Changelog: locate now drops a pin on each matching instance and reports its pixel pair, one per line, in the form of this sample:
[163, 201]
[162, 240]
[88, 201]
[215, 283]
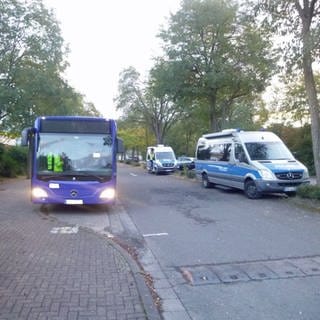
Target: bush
[8, 167]
[309, 191]
[13, 161]
[191, 174]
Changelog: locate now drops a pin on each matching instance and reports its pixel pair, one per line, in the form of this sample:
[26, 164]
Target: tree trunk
[312, 100]
[213, 117]
[158, 132]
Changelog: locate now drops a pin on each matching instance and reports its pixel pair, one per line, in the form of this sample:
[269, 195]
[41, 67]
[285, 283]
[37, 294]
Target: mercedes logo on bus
[73, 193]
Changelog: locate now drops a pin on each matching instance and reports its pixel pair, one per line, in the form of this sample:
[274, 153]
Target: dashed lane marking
[155, 234]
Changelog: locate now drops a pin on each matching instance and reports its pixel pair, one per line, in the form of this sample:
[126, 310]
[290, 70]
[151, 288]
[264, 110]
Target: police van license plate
[288, 189]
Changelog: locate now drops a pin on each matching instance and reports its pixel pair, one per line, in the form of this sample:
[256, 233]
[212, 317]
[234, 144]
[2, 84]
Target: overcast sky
[106, 37]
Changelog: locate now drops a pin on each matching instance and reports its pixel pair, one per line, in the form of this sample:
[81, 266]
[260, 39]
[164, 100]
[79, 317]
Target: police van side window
[214, 151]
[203, 152]
[220, 152]
[239, 153]
[226, 149]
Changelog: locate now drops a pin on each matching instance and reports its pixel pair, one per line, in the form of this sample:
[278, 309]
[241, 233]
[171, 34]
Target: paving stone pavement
[48, 271]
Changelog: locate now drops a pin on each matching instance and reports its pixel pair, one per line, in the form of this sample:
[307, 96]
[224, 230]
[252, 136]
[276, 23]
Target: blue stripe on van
[280, 167]
[225, 170]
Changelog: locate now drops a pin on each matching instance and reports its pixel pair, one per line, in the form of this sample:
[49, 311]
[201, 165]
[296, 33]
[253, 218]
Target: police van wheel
[251, 191]
[205, 182]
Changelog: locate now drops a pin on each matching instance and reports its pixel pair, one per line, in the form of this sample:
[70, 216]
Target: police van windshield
[74, 154]
[268, 151]
[165, 155]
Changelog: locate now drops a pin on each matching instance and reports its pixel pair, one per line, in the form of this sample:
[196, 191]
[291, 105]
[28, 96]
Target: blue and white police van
[160, 159]
[257, 162]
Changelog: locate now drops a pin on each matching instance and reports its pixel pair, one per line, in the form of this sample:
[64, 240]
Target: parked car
[184, 161]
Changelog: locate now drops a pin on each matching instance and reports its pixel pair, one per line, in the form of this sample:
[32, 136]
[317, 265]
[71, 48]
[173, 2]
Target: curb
[144, 292]
[149, 307]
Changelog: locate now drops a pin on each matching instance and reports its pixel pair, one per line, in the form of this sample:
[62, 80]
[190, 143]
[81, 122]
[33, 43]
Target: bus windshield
[67, 155]
[268, 151]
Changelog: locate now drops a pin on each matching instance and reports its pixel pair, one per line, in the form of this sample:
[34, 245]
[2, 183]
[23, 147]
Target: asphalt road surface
[213, 253]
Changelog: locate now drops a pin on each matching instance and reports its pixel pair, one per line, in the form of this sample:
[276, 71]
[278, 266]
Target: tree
[299, 23]
[248, 114]
[218, 55]
[134, 137]
[30, 46]
[146, 103]
[184, 135]
[298, 139]
[32, 60]
[292, 101]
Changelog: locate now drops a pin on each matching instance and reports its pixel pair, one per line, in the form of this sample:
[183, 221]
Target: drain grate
[250, 271]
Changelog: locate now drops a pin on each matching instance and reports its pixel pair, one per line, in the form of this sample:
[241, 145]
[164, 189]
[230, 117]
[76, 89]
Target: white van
[254, 161]
[160, 158]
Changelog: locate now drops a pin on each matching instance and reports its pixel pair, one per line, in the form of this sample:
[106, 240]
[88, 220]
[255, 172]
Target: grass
[309, 191]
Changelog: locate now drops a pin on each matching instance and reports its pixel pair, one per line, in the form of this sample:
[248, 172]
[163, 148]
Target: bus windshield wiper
[73, 176]
[87, 175]
[46, 177]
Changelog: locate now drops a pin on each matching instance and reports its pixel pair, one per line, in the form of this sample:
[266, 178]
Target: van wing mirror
[120, 146]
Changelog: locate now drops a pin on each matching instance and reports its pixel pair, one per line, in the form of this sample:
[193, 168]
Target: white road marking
[66, 230]
[133, 174]
[155, 234]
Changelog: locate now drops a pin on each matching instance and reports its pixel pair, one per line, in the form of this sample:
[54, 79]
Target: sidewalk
[52, 271]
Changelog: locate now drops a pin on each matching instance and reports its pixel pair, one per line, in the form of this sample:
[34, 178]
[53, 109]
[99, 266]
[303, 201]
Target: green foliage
[136, 137]
[13, 161]
[184, 135]
[145, 104]
[32, 60]
[292, 22]
[291, 103]
[309, 192]
[298, 141]
[216, 63]
[248, 114]
[218, 55]
[190, 174]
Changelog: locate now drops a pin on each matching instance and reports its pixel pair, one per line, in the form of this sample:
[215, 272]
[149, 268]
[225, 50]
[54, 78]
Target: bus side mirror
[120, 146]
[25, 136]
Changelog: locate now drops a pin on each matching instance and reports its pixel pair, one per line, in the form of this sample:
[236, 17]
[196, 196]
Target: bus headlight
[266, 174]
[108, 193]
[39, 193]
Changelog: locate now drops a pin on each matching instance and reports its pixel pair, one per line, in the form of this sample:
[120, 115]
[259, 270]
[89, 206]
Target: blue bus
[72, 160]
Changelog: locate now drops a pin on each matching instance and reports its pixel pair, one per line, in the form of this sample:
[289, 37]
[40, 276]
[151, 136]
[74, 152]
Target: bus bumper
[71, 194]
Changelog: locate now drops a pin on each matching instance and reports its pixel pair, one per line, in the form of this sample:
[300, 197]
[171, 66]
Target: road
[213, 253]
